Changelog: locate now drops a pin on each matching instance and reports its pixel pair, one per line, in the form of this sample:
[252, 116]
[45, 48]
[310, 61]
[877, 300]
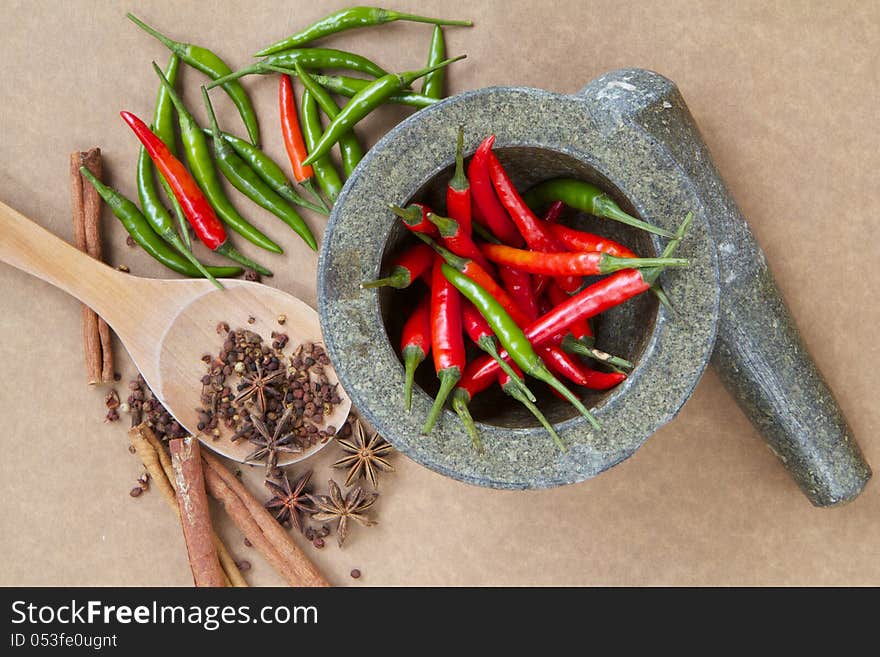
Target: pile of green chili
[192, 185]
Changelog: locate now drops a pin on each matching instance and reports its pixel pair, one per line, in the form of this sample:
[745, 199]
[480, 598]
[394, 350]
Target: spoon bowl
[168, 325]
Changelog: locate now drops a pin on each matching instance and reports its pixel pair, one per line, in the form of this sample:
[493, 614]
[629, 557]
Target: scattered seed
[355, 573]
[136, 491]
[112, 399]
[243, 565]
[247, 542]
[282, 319]
[123, 268]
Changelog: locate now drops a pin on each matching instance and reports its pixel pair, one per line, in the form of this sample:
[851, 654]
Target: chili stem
[487, 344]
[460, 406]
[448, 380]
[575, 346]
[412, 358]
[516, 393]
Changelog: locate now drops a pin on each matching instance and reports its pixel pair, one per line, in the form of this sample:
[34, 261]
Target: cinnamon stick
[86, 206]
[155, 458]
[259, 526]
[192, 501]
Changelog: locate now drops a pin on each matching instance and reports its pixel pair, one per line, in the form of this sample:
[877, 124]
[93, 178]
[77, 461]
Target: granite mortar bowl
[540, 135]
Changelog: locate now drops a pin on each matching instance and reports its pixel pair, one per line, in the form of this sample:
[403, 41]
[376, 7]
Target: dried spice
[365, 457]
[270, 444]
[343, 509]
[111, 401]
[290, 501]
[143, 406]
[257, 386]
[250, 380]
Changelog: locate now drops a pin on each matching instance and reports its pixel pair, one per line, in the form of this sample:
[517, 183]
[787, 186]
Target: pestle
[759, 353]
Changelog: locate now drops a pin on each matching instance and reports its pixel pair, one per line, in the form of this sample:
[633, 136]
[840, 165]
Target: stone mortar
[539, 135]
[630, 131]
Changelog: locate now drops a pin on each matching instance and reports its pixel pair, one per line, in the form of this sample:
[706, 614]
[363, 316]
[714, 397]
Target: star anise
[258, 385]
[269, 444]
[289, 500]
[365, 457]
[343, 509]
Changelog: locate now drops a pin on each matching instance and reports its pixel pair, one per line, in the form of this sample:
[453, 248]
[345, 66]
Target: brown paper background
[786, 94]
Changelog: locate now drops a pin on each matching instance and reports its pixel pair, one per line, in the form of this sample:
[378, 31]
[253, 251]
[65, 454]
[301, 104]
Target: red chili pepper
[489, 210]
[518, 284]
[459, 241]
[561, 264]
[580, 329]
[193, 202]
[480, 276]
[415, 342]
[458, 191]
[447, 342]
[291, 131]
[415, 217]
[536, 233]
[578, 240]
[479, 331]
[589, 302]
[554, 212]
[475, 325]
[563, 364]
[413, 263]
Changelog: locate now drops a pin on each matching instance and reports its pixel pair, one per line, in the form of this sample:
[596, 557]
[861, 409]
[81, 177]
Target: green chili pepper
[211, 65]
[348, 19]
[156, 215]
[308, 58]
[141, 232]
[346, 86]
[365, 101]
[163, 126]
[349, 146]
[325, 172]
[586, 197]
[511, 336]
[198, 156]
[268, 170]
[163, 115]
[246, 180]
[432, 85]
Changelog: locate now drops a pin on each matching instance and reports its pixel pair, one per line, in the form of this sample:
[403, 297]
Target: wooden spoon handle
[31, 248]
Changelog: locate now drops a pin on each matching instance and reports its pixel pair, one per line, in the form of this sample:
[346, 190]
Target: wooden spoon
[166, 325]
